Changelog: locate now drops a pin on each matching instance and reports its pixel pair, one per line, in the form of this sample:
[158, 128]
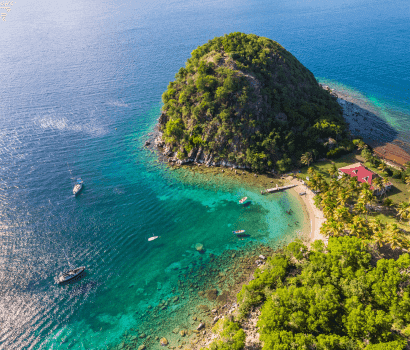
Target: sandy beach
[316, 216]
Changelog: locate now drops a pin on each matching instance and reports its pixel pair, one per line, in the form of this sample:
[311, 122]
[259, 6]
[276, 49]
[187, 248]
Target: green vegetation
[331, 298]
[245, 99]
[349, 206]
[230, 336]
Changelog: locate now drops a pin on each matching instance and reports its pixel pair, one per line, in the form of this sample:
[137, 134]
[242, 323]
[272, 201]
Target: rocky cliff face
[244, 101]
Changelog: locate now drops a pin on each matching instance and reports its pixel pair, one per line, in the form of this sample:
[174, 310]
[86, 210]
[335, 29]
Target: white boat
[243, 200]
[74, 274]
[152, 238]
[238, 232]
[77, 187]
[71, 275]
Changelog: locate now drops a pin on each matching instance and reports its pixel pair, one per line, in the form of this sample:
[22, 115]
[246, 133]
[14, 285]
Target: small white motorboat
[77, 187]
[238, 232]
[243, 200]
[152, 238]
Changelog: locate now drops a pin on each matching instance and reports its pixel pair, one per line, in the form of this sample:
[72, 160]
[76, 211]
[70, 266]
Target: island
[243, 101]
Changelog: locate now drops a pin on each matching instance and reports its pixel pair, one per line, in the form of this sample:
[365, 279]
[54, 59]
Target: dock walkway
[277, 189]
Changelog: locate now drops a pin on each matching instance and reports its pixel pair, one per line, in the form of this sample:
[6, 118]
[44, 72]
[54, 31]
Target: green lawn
[398, 194]
[400, 191]
[322, 167]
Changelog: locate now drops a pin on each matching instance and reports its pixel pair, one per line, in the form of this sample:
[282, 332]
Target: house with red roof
[363, 175]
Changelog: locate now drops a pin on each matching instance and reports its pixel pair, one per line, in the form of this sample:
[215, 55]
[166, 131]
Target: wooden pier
[277, 189]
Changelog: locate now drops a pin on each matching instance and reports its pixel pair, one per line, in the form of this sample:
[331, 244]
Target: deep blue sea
[80, 89]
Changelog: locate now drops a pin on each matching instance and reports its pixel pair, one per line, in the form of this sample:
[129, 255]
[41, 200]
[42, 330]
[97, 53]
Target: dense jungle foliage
[331, 298]
[245, 99]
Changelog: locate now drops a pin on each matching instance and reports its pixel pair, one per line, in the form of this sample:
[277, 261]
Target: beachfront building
[363, 175]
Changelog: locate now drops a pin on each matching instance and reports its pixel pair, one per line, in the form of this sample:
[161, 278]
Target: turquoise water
[80, 89]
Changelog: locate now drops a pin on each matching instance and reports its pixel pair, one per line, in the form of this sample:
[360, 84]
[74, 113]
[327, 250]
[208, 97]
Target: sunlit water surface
[80, 88]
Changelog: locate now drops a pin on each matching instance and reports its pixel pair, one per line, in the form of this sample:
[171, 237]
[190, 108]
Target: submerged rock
[199, 247]
[211, 294]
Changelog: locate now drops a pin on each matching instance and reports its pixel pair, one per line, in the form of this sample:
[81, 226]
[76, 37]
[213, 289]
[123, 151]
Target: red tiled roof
[361, 172]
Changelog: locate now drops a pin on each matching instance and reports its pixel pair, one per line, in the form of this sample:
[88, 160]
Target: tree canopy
[245, 99]
[331, 298]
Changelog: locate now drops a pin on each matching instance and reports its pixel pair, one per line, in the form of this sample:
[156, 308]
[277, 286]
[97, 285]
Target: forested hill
[245, 100]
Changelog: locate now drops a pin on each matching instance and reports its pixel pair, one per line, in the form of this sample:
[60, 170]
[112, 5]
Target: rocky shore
[217, 289]
[197, 155]
[208, 293]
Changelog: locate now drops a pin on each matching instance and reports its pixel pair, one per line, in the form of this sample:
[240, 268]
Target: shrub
[232, 337]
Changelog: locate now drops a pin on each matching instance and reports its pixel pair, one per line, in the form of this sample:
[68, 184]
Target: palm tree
[328, 211]
[388, 202]
[386, 182]
[393, 236]
[306, 158]
[353, 185]
[333, 171]
[358, 220]
[321, 183]
[367, 197]
[382, 167]
[325, 229]
[364, 186]
[379, 239]
[377, 226]
[361, 145]
[311, 171]
[355, 229]
[342, 214]
[344, 179]
[377, 184]
[403, 210]
[343, 196]
[329, 198]
[360, 208]
[312, 183]
[330, 228]
[334, 185]
[366, 154]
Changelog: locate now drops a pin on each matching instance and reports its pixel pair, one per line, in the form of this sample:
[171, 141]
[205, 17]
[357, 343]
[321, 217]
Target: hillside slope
[244, 100]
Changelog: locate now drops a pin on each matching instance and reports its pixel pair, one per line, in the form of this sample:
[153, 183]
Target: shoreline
[315, 215]
[200, 337]
[363, 121]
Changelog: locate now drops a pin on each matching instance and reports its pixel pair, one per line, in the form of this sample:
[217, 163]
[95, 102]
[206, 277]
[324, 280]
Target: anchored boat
[238, 232]
[74, 274]
[71, 275]
[243, 200]
[77, 187]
